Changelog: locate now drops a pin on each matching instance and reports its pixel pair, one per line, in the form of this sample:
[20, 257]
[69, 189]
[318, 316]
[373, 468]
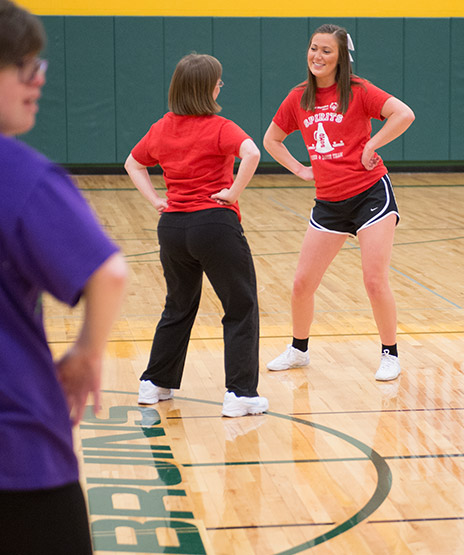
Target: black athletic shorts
[353, 214]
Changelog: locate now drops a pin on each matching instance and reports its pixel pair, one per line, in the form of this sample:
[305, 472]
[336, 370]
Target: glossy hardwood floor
[341, 464]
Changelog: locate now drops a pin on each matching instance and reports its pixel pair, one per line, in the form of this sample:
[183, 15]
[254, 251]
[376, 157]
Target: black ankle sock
[300, 344]
[390, 350]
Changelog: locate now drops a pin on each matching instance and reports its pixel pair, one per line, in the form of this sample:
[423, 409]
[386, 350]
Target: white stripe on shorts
[320, 227]
[378, 217]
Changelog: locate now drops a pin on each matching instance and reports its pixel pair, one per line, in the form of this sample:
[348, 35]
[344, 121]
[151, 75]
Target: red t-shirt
[197, 154]
[335, 141]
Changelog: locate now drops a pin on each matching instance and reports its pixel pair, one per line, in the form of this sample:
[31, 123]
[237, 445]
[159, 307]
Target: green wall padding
[108, 78]
[283, 65]
[49, 135]
[183, 35]
[141, 87]
[90, 89]
[427, 88]
[456, 116]
[379, 58]
[240, 97]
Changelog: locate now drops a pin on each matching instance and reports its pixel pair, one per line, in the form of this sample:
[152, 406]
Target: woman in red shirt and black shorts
[333, 110]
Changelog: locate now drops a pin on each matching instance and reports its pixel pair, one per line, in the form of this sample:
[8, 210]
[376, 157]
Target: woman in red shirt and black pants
[199, 231]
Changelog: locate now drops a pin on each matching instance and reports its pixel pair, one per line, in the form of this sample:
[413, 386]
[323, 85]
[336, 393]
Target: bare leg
[376, 242]
[317, 252]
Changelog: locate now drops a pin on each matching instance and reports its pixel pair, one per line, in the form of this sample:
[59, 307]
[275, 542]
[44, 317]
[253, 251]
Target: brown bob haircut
[344, 77]
[21, 34]
[192, 86]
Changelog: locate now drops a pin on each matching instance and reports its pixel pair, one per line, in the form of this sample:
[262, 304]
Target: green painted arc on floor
[384, 476]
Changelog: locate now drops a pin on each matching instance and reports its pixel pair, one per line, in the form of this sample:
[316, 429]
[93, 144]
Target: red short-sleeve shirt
[335, 141]
[197, 155]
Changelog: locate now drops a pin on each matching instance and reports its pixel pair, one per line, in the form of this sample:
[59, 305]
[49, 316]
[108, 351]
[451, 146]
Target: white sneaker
[149, 393]
[290, 358]
[241, 406]
[389, 368]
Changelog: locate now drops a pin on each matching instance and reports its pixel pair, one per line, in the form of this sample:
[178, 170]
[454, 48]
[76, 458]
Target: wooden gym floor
[340, 464]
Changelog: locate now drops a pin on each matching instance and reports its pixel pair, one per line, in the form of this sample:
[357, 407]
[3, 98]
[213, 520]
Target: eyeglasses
[220, 83]
[29, 69]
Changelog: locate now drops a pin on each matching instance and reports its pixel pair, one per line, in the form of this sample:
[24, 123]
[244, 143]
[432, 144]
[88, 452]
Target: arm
[399, 117]
[273, 143]
[141, 179]
[250, 155]
[79, 370]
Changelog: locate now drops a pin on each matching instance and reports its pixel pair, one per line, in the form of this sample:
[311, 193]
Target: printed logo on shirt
[322, 145]
[332, 106]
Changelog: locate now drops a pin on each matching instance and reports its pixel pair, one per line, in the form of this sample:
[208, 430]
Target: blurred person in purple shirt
[50, 242]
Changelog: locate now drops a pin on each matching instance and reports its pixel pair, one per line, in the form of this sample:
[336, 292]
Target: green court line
[430, 519]
[288, 253]
[313, 524]
[142, 254]
[404, 186]
[381, 411]
[126, 448]
[124, 481]
[126, 454]
[324, 461]
[384, 484]
[113, 189]
[261, 526]
[109, 427]
[283, 461]
[315, 336]
[425, 287]
[263, 188]
[428, 456]
[428, 241]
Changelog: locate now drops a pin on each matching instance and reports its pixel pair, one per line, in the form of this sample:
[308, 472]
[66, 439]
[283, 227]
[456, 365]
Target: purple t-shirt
[49, 241]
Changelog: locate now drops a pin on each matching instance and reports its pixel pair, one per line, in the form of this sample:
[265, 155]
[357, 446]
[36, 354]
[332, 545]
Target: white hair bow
[350, 45]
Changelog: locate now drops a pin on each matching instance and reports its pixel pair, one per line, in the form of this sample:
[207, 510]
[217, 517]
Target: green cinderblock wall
[108, 78]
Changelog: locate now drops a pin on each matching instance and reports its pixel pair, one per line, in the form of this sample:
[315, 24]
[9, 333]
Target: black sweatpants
[48, 522]
[210, 241]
